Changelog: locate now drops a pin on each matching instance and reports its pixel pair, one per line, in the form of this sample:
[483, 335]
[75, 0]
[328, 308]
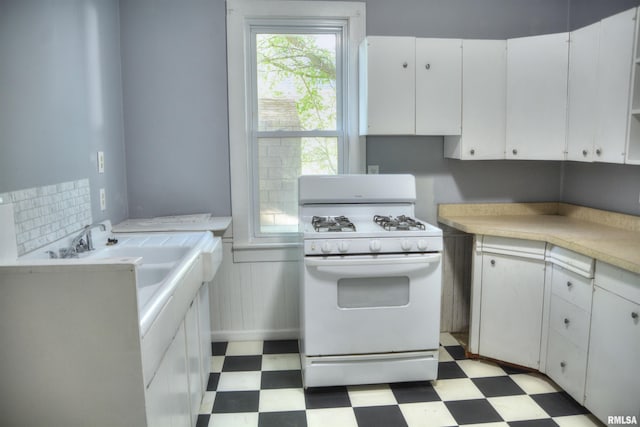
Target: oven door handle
[350, 262]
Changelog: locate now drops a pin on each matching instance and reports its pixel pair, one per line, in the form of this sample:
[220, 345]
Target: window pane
[296, 81]
[280, 162]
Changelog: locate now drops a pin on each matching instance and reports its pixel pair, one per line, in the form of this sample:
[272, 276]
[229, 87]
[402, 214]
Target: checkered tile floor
[256, 383]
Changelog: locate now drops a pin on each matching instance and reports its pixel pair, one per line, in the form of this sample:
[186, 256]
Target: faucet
[81, 243]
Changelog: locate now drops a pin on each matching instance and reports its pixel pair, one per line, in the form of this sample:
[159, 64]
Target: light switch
[103, 199]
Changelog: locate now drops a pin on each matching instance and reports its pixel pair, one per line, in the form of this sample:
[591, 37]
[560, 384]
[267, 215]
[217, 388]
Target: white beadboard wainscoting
[259, 300]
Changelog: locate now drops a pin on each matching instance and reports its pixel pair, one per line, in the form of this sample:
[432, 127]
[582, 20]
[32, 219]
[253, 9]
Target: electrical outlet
[103, 199]
[100, 161]
[373, 169]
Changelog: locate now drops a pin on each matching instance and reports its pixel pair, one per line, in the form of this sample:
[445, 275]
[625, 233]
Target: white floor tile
[427, 414]
[457, 389]
[283, 399]
[578, 421]
[334, 417]
[535, 383]
[280, 362]
[239, 381]
[240, 419]
[244, 348]
[480, 368]
[517, 408]
[216, 363]
[371, 395]
[448, 339]
[206, 406]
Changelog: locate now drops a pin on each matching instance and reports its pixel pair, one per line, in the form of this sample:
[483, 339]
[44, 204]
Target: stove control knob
[343, 246]
[326, 247]
[422, 244]
[406, 245]
[375, 245]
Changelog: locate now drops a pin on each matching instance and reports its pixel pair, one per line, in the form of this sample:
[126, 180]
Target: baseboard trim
[255, 335]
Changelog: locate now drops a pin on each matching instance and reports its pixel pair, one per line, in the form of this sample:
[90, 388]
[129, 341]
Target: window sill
[266, 252]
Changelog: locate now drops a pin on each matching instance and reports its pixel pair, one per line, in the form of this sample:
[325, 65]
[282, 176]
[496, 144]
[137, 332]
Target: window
[292, 77]
[297, 121]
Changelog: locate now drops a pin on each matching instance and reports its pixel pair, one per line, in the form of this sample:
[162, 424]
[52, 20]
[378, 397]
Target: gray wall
[175, 106]
[60, 97]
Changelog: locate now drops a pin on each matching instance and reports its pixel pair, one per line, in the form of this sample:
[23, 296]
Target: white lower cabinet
[193, 358]
[569, 319]
[511, 300]
[613, 377]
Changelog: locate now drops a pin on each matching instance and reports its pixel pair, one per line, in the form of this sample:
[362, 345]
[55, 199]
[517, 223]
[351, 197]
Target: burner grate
[332, 224]
[399, 223]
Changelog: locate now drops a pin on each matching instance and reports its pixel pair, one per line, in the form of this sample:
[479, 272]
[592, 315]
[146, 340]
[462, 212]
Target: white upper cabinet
[583, 89]
[410, 86]
[614, 78]
[537, 96]
[438, 86]
[484, 85]
[387, 86]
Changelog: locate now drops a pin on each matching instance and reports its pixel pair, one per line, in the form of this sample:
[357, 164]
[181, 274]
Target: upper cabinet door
[583, 108]
[614, 77]
[387, 86]
[537, 70]
[438, 86]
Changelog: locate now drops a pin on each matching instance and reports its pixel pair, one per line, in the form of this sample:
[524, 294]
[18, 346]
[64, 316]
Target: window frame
[241, 16]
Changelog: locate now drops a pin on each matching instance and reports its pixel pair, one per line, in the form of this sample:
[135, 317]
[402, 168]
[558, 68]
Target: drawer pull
[493, 262]
[634, 315]
[569, 285]
[563, 364]
[566, 321]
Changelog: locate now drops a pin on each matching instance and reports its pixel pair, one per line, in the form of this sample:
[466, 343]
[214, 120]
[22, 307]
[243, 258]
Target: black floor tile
[474, 411]
[280, 347]
[242, 363]
[450, 370]
[212, 384]
[559, 404]
[497, 386]
[282, 419]
[236, 401]
[545, 422]
[281, 379]
[203, 420]
[456, 351]
[512, 370]
[218, 348]
[379, 416]
[411, 392]
[327, 397]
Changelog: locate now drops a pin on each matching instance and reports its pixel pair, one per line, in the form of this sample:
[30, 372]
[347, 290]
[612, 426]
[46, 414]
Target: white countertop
[197, 222]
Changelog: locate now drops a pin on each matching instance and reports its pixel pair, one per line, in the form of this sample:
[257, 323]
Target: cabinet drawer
[567, 365]
[572, 287]
[569, 321]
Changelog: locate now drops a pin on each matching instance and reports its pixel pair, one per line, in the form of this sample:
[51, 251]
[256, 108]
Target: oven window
[370, 292]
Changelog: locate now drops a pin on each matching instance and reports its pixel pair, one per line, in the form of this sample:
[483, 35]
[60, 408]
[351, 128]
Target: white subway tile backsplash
[45, 214]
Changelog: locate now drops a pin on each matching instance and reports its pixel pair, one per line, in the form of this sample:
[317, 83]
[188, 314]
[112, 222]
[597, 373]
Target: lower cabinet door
[613, 376]
[511, 307]
[204, 331]
[567, 365]
[193, 359]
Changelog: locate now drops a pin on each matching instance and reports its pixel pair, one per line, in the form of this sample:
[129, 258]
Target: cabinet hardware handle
[634, 315]
[514, 151]
[585, 152]
[428, 66]
[569, 284]
[405, 65]
[563, 364]
[566, 321]
[472, 151]
[493, 262]
[598, 151]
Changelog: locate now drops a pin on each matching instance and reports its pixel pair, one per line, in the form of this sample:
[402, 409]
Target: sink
[149, 254]
[150, 275]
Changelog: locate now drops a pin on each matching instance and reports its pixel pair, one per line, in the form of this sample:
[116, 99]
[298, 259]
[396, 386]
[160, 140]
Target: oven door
[366, 304]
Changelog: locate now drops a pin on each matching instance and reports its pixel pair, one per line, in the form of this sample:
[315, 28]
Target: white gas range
[371, 282]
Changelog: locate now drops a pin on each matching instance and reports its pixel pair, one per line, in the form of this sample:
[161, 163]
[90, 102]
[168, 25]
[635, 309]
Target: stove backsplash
[45, 214]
